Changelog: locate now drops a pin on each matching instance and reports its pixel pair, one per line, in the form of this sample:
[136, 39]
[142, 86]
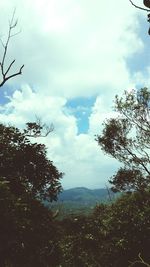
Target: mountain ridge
[85, 195]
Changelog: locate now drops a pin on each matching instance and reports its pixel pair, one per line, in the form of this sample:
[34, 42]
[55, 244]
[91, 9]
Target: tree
[127, 139]
[25, 166]
[28, 231]
[27, 177]
[5, 70]
[125, 230]
[113, 234]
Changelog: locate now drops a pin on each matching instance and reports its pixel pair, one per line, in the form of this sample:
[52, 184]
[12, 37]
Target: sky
[78, 54]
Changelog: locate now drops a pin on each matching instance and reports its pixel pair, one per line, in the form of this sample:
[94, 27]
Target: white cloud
[70, 49]
[77, 155]
[142, 78]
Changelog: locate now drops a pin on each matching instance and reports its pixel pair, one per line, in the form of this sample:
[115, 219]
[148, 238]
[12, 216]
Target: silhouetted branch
[145, 9]
[38, 129]
[46, 128]
[12, 25]
[141, 261]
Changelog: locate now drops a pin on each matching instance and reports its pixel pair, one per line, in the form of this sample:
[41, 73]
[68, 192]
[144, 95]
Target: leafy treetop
[25, 166]
[127, 139]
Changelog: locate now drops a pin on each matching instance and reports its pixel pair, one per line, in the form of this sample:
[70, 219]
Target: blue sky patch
[81, 108]
[4, 92]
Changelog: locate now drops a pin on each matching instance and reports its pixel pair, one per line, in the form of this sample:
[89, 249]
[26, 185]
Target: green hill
[85, 196]
[80, 200]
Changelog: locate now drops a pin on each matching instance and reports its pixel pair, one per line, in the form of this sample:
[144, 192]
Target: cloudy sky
[78, 54]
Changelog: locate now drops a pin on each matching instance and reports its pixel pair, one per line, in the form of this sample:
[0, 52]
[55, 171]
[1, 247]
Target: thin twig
[38, 129]
[139, 261]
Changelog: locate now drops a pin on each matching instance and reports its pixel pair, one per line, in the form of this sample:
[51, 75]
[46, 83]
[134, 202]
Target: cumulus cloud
[78, 156]
[70, 49]
[74, 48]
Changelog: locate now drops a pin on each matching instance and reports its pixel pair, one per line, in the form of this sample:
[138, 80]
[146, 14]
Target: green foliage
[127, 138]
[80, 201]
[27, 228]
[25, 165]
[113, 235]
[129, 228]
[77, 243]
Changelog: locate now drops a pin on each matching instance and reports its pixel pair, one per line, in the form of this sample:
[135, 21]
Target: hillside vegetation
[80, 200]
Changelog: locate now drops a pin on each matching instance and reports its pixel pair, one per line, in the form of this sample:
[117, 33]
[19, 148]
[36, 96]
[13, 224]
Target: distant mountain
[85, 196]
[79, 200]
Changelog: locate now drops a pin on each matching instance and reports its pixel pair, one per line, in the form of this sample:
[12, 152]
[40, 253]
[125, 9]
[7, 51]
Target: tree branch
[141, 261]
[11, 76]
[136, 158]
[38, 129]
[145, 9]
[9, 67]
[12, 24]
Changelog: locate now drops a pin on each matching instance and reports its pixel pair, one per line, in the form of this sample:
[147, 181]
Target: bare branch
[12, 35]
[11, 76]
[12, 18]
[145, 9]
[9, 67]
[12, 25]
[136, 158]
[47, 128]
[38, 129]
[141, 261]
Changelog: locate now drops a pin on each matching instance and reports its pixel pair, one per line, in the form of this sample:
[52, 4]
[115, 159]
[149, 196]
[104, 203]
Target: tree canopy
[27, 178]
[25, 166]
[127, 138]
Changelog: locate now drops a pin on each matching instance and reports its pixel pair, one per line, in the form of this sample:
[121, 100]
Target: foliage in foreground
[24, 164]
[27, 176]
[27, 231]
[113, 236]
